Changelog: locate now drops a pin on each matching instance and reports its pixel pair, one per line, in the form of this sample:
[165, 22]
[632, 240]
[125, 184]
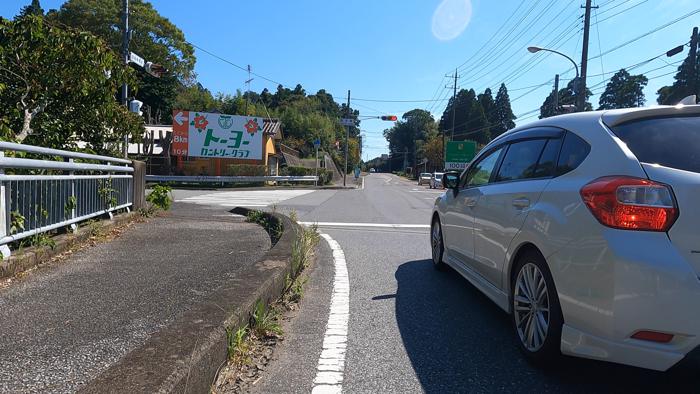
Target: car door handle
[470, 202]
[521, 202]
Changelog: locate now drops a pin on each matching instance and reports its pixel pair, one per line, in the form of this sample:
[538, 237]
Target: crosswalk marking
[245, 198]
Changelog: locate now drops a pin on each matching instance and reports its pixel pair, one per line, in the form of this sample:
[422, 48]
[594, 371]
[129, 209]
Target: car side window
[480, 173]
[521, 160]
[547, 165]
[573, 151]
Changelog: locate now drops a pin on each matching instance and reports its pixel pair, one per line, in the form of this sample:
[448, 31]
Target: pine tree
[32, 9]
[687, 78]
[567, 96]
[503, 119]
[624, 91]
[489, 106]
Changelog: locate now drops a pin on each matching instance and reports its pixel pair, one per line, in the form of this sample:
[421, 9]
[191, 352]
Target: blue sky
[390, 50]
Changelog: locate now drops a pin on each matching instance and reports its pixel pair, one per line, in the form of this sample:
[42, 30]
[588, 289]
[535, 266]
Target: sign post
[317, 144]
[458, 154]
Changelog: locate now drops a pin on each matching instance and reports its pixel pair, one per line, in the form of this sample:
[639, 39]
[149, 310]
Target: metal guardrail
[228, 179]
[50, 194]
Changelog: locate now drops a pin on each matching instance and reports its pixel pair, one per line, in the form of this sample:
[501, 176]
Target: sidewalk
[63, 325]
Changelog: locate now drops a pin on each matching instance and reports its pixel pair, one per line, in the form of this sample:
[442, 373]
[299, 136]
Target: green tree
[623, 91]
[58, 87]
[503, 120]
[687, 79]
[489, 106]
[408, 133]
[470, 119]
[566, 97]
[154, 38]
[34, 8]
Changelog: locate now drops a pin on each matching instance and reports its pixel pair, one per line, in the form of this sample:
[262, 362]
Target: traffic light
[391, 118]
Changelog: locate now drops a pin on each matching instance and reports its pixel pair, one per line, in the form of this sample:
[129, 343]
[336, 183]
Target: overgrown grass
[303, 248]
[238, 345]
[273, 227]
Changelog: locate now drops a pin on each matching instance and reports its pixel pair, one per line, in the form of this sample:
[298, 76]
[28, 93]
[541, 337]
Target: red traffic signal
[391, 118]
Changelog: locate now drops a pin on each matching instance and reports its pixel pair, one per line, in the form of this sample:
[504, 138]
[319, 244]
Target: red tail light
[631, 203]
[653, 336]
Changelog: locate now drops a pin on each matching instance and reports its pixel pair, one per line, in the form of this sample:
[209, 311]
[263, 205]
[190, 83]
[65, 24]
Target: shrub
[324, 176]
[246, 170]
[160, 197]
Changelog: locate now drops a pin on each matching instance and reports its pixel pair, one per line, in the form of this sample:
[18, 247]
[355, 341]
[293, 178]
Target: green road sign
[458, 154]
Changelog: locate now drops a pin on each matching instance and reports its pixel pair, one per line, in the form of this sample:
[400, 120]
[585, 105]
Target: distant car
[424, 178]
[436, 180]
[584, 227]
[372, 170]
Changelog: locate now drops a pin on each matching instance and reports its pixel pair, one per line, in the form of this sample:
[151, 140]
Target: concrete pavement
[64, 324]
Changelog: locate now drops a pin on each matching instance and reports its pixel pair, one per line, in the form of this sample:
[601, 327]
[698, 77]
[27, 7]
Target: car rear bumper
[618, 283]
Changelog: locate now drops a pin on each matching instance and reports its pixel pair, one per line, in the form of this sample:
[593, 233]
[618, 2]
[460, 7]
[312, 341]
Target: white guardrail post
[73, 199]
[4, 215]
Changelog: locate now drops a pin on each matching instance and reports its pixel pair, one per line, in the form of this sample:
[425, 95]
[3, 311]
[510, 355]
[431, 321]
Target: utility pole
[581, 96]
[693, 60]
[347, 137]
[125, 53]
[556, 94]
[454, 105]
[247, 96]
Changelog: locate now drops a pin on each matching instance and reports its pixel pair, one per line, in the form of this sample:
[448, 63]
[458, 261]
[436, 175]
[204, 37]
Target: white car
[584, 227]
[424, 178]
[436, 180]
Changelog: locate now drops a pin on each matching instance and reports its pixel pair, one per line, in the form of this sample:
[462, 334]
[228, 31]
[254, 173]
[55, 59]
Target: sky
[402, 51]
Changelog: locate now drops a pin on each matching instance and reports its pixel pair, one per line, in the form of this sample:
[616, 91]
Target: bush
[246, 170]
[160, 197]
[324, 176]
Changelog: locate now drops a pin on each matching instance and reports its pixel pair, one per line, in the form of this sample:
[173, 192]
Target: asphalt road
[414, 329]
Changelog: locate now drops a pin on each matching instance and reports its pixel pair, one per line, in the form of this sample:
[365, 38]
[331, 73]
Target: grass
[273, 227]
[238, 345]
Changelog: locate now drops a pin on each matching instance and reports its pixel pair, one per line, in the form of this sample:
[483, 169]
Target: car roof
[611, 118]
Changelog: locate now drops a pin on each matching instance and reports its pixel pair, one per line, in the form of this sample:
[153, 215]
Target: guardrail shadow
[460, 341]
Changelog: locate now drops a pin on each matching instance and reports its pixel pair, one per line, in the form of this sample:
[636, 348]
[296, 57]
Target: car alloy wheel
[436, 244]
[531, 307]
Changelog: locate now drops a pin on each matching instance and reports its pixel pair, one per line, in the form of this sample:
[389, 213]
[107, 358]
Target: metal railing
[40, 195]
[228, 179]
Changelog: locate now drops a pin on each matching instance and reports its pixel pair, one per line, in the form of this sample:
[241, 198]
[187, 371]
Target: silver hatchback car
[584, 227]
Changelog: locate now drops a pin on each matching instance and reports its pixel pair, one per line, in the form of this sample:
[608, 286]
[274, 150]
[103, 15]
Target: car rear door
[528, 165]
[669, 150]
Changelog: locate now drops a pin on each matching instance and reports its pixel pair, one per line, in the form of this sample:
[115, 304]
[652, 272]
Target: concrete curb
[186, 355]
[33, 256]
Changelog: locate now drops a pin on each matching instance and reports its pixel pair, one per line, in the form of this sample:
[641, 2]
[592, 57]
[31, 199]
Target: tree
[154, 38]
[407, 134]
[567, 96]
[470, 119]
[504, 114]
[32, 9]
[687, 78]
[623, 91]
[58, 87]
[489, 106]
[432, 150]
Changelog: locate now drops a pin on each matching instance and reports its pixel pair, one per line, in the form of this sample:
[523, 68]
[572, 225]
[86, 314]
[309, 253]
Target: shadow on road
[460, 341]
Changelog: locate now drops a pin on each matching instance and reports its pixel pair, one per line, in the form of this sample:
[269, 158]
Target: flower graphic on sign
[252, 126]
[200, 122]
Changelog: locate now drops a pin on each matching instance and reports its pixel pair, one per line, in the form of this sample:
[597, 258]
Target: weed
[95, 229]
[71, 204]
[302, 249]
[296, 289]
[272, 226]
[264, 321]
[16, 222]
[148, 212]
[42, 239]
[106, 191]
[160, 197]
[237, 345]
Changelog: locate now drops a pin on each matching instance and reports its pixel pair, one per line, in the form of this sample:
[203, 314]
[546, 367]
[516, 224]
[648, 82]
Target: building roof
[272, 127]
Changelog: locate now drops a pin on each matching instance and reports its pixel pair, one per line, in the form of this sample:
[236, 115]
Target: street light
[534, 49]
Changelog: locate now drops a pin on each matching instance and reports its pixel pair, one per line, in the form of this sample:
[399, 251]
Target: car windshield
[670, 142]
[425, 174]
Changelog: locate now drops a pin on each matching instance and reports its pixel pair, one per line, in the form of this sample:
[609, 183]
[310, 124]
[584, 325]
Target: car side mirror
[451, 180]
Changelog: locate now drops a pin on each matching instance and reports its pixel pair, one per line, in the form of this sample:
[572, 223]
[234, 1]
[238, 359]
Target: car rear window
[670, 142]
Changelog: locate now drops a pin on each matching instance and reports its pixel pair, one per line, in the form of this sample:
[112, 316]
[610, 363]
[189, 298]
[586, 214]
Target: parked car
[584, 227]
[423, 178]
[436, 180]
[372, 170]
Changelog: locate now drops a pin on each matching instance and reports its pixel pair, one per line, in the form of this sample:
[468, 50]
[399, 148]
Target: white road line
[245, 198]
[331, 362]
[381, 225]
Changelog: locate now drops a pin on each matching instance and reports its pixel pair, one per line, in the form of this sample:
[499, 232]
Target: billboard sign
[458, 154]
[201, 134]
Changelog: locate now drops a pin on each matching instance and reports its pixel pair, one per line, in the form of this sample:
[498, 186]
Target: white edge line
[331, 362]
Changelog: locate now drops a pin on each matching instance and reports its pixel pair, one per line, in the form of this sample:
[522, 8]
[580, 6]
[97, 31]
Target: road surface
[409, 328]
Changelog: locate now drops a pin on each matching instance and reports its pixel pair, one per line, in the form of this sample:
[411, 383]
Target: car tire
[437, 245]
[530, 271]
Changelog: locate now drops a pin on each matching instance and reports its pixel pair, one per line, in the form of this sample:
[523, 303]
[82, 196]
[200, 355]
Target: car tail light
[631, 203]
[653, 336]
